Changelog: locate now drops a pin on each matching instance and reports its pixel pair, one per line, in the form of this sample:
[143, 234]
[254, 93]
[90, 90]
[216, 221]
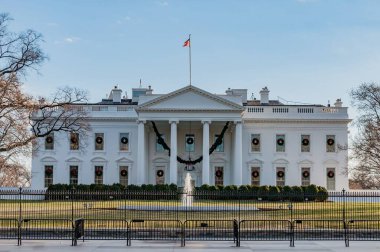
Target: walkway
[165, 246]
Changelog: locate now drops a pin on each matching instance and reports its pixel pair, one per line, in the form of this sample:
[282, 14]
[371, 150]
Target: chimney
[338, 103]
[229, 91]
[149, 91]
[264, 96]
[116, 94]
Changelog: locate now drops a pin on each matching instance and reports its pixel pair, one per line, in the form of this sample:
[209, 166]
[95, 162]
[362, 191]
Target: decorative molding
[305, 162]
[48, 159]
[255, 161]
[280, 161]
[98, 160]
[73, 160]
[123, 160]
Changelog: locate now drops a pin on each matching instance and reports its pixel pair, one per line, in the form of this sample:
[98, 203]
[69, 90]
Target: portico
[179, 119]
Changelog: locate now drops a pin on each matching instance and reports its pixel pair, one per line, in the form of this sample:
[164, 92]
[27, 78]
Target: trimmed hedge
[204, 192]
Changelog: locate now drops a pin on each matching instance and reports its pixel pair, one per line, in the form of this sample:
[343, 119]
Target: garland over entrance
[218, 141]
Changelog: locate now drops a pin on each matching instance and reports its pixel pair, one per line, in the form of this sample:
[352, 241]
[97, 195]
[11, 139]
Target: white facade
[264, 143]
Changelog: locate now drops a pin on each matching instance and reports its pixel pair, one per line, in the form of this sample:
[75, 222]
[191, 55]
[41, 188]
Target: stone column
[205, 152]
[173, 152]
[141, 169]
[238, 157]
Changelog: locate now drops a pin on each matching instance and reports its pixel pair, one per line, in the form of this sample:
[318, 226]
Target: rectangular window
[305, 176]
[255, 143]
[159, 147]
[330, 143]
[255, 176]
[219, 175]
[160, 175]
[73, 174]
[49, 142]
[280, 143]
[330, 176]
[123, 173]
[189, 143]
[305, 143]
[124, 142]
[219, 148]
[99, 175]
[74, 141]
[280, 176]
[99, 141]
[49, 169]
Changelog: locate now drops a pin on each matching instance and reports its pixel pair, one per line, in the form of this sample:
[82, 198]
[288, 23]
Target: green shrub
[229, 192]
[212, 188]
[274, 193]
[244, 188]
[297, 194]
[173, 187]
[220, 187]
[311, 192]
[263, 192]
[322, 194]
[204, 187]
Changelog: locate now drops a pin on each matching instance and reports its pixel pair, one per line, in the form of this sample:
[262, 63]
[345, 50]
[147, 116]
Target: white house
[261, 142]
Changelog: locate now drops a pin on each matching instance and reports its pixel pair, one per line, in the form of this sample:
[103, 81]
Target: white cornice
[188, 110]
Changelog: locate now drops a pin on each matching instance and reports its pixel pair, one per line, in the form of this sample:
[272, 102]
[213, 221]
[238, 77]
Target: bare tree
[14, 174]
[24, 118]
[366, 144]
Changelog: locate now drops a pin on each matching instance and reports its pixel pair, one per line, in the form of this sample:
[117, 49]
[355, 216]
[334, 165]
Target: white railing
[295, 112]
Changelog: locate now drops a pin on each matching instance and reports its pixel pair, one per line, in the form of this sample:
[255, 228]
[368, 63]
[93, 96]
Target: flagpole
[190, 57]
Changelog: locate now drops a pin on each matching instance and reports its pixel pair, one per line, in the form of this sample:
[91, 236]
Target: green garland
[218, 141]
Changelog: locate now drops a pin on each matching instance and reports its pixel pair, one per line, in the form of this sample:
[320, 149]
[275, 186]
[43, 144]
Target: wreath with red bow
[160, 173]
[255, 141]
[219, 173]
[280, 141]
[255, 174]
[99, 172]
[330, 174]
[280, 174]
[306, 174]
[305, 142]
[123, 173]
[49, 139]
[99, 140]
[330, 141]
[74, 172]
[49, 171]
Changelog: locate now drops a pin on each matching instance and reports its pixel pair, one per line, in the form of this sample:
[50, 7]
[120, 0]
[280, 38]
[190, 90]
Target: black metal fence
[235, 216]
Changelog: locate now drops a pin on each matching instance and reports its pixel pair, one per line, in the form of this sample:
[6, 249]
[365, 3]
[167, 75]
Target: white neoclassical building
[218, 139]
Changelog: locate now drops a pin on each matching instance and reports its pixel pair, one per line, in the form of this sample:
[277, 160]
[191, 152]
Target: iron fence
[236, 216]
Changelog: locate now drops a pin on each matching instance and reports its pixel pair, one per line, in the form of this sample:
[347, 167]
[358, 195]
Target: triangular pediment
[190, 98]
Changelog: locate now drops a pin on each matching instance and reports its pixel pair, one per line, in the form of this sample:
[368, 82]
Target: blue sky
[304, 50]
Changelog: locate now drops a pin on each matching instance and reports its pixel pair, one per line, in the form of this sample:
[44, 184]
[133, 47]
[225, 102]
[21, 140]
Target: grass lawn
[105, 214]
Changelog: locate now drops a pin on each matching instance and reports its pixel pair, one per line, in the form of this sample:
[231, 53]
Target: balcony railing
[295, 112]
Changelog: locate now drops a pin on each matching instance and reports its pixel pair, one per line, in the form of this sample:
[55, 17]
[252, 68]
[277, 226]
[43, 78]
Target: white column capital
[206, 121]
[237, 122]
[173, 121]
[140, 121]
